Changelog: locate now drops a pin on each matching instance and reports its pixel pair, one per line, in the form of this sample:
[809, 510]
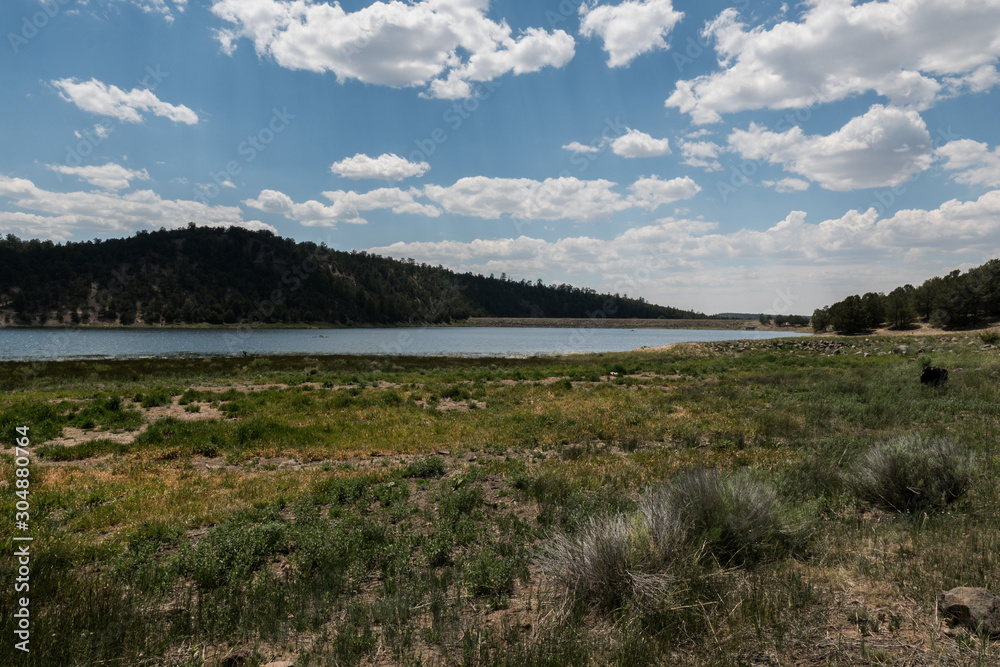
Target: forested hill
[954, 300]
[211, 275]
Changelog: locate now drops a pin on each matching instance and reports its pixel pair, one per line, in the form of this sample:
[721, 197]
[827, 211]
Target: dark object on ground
[976, 608]
[934, 376]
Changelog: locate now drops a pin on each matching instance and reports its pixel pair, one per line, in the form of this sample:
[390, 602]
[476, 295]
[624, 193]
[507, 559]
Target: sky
[718, 156]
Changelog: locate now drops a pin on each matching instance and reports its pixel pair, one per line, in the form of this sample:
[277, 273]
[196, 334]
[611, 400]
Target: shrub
[990, 337]
[911, 474]
[432, 466]
[493, 571]
[233, 552]
[637, 557]
[736, 518]
[155, 398]
[600, 562]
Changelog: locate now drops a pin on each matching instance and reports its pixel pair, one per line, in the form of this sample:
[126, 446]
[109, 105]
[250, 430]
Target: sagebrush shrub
[735, 519]
[911, 473]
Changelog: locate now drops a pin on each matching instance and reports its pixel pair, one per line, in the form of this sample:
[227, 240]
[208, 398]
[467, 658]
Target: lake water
[55, 344]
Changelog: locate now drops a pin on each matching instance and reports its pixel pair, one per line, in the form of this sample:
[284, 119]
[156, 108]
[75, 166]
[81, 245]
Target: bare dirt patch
[73, 436]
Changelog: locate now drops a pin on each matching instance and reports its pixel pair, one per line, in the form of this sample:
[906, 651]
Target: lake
[55, 344]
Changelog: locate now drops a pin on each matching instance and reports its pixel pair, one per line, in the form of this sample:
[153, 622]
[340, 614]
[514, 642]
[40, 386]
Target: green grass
[362, 517]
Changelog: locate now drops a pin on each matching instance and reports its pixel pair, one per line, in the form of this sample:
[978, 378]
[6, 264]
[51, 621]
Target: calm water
[43, 344]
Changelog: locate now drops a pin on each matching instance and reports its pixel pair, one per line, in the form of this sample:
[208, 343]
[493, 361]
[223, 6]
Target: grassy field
[781, 502]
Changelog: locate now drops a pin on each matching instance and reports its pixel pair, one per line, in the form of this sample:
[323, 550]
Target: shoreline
[483, 322]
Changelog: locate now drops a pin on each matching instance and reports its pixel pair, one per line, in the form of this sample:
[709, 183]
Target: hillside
[215, 276]
[953, 301]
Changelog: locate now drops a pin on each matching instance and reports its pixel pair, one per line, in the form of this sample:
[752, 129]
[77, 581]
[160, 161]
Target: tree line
[228, 276]
[956, 299]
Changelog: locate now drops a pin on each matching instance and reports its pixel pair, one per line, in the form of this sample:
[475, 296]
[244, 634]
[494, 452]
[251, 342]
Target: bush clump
[432, 466]
[739, 520]
[990, 337]
[232, 552]
[701, 517]
[913, 474]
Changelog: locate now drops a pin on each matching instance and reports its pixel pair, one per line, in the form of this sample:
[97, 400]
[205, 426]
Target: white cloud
[577, 147]
[443, 45]
[100, 98]
[109, 177]
[62, 216]
[884, 147]
[634, 144]
[160, 7]
[631, 28]
[911, 52]
[689, 264]
[703, 154]
[788, 185]
[651, 193]
[977, 164]
[487, 198]
[345, 207]
[388, 166]
[551, 199]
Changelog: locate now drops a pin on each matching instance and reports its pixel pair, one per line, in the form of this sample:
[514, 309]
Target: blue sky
[719, 156]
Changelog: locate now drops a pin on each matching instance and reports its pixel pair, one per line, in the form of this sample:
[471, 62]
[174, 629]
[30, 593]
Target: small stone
[976, 608]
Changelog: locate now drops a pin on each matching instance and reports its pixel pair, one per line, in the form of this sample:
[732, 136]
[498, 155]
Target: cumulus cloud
[805, 265]
[974, 161]
[442, 45]
[631, 28]
[577, 147]
[345, 206]
[161, 7]
[388, 166]
[635, 144]
[651, 193]
[487, 198]
[61, 216]
[109, 177]
[912, 53]
[100, 98]
[703, 154]
[884, 147]
[788, 185]
[551, 199]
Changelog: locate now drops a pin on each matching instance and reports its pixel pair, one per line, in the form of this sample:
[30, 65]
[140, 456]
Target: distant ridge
[209, 275]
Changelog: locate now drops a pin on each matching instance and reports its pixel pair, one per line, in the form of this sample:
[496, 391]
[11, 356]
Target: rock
[901, 349]
[934, 376]
[280, 663]
[976, 608]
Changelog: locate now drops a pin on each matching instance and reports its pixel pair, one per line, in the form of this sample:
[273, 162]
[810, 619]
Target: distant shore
[509, 322]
